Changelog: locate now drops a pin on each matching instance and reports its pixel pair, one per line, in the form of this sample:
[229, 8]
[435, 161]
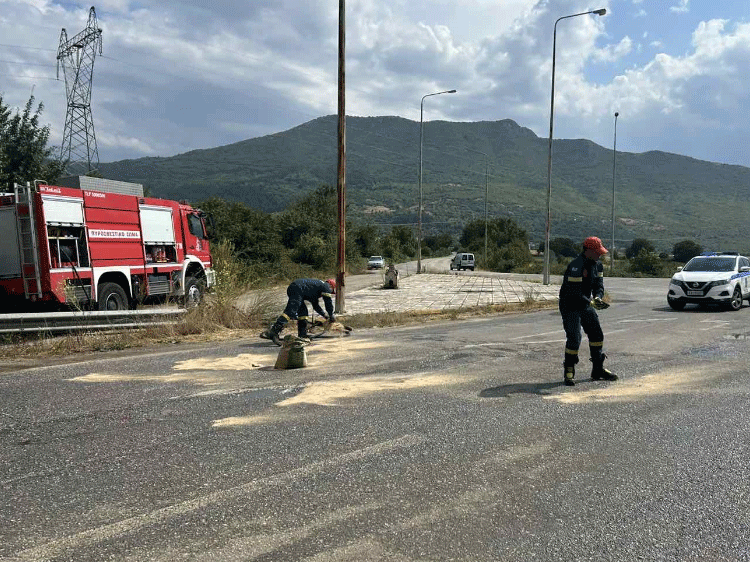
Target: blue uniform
[299, 292]
[582, 282]
[310, 290]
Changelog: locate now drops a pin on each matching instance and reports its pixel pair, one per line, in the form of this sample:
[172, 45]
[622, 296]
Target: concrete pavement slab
[447, 291]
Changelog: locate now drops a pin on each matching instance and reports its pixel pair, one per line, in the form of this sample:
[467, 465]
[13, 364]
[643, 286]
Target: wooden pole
[341, 181]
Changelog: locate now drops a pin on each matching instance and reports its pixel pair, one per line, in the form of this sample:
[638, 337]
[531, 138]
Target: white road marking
[649, 320]
[115, 530]
[536, 335]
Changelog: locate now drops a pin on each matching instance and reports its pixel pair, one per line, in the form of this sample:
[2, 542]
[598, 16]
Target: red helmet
[594, 243]
[332, 283]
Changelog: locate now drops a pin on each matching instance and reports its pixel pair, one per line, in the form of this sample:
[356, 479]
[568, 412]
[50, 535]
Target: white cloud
[614, 52]
[178, 75]
[682, 7]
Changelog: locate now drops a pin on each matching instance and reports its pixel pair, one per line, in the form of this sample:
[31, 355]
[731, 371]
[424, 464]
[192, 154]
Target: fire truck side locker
[10, 257]
[157, 227]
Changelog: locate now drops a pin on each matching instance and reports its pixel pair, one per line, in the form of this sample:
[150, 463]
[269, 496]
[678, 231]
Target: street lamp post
[421, 137]
[486, 193]
[545, 276]
[614, 167]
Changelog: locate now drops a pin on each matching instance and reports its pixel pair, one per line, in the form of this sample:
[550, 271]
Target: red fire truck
[95, 249]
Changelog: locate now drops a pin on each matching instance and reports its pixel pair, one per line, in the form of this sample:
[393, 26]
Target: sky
[178, 75]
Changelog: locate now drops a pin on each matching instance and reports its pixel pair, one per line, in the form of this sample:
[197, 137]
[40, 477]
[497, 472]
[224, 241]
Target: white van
[462, 260]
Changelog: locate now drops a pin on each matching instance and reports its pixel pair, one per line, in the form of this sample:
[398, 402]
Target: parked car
[711, 278]
[462, 260]
[376, 262]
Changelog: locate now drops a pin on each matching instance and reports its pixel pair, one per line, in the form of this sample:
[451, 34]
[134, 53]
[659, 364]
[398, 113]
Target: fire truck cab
[90, 248]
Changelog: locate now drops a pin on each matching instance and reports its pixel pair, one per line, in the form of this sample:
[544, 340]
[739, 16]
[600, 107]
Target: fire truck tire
[112, 297]
[194, 289]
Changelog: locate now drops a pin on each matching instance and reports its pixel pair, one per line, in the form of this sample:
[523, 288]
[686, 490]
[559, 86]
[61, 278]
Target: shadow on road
[540, 389]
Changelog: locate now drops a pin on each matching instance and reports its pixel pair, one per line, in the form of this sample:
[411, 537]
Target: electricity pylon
[77, 57]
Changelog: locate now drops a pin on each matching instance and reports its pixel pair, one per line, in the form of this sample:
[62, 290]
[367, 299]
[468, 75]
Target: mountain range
[659, 196]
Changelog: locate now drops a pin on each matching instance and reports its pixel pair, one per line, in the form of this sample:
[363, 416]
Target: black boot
[302, 330]
[569, 374]
[273, 333]
[598, 372]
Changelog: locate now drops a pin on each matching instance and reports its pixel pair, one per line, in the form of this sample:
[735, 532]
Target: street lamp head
[616, 113]
[451, 92]
[600, 11]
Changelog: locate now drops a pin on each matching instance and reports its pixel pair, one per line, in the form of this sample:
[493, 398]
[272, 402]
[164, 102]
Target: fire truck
[93, 249]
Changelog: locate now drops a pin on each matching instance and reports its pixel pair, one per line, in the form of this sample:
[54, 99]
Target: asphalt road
[446, 441]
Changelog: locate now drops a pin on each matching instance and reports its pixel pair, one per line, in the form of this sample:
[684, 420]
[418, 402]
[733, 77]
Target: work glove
[599, 304]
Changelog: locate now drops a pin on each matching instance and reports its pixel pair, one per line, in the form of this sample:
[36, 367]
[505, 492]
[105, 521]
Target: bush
[564, 247]
[686, 250]
[511, 257]
[639, 244]
[646, 262]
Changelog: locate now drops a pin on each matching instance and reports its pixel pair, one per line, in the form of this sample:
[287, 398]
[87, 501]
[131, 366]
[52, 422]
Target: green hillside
[663, 197]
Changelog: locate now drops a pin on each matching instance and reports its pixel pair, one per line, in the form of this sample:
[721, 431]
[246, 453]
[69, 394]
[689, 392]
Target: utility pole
[341, 181]
[77, 55]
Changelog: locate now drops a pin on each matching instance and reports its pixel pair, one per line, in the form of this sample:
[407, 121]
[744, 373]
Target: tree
[439, 242]
[639, 244]
[252, 233]
[686, 250]
[507, 243]
[509, 257]
[366, 238]
[400, 242]
[24, 155]
[564, 247]
[500, 231]
[315, 214]
[645, 262]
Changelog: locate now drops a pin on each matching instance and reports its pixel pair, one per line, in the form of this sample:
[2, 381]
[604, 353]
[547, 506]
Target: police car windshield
[710, 264]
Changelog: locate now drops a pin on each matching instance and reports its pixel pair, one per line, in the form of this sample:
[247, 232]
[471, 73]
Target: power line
[25, 47]
[27, 63]
[28, 77]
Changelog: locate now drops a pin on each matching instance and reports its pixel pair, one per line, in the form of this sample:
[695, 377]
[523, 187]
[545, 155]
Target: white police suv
[711, 278]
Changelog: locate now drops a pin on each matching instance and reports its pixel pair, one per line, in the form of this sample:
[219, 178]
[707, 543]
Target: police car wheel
[736, 302]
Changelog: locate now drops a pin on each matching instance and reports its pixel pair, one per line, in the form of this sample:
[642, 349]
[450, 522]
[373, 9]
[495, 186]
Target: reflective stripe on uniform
[329, 295]
[571, 351]
[285, 316]
[303, 318]
[596, 344]
[575, 279]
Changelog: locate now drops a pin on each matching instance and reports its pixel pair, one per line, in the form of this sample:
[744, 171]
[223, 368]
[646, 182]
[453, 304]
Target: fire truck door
[195, 239]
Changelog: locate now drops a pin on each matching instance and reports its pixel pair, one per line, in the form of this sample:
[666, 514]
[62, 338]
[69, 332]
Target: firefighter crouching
[580, 296]
[299, 291]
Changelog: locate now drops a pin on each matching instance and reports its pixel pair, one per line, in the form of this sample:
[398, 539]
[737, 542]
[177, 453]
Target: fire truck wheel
[112, 297]
[194, 289]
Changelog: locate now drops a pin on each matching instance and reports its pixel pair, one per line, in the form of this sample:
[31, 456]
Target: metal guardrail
[91, 320]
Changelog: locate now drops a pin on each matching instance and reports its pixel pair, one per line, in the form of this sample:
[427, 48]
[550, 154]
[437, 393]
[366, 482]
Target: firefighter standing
[580, 297]
[299, 291]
